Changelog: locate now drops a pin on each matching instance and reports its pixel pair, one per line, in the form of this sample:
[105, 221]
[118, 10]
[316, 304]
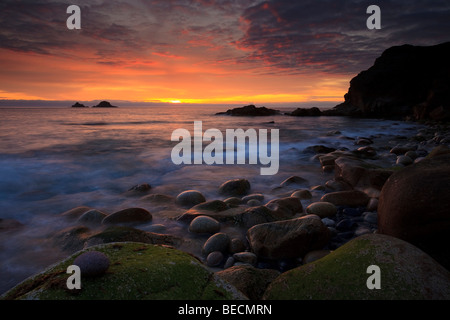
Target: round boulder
[190, 198]
[128, 216]
[322, 209]
[235, 187]
[414, 206]
[204, 224]
[92, 263]
[217, 242]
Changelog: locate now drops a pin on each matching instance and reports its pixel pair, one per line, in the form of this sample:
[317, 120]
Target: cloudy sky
[203, 51]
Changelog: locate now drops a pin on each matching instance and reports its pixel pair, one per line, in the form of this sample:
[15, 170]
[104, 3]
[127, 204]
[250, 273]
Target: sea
[55, 159]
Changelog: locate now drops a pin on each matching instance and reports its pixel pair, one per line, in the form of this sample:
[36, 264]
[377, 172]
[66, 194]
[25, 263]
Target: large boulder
[136, 271]
[289, 238]
[406, 273]
[414, 206]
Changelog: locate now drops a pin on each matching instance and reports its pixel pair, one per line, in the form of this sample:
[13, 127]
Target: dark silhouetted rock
[302, 112]
[104, 104]
[79, 105]
[405, 81]
[250, 110]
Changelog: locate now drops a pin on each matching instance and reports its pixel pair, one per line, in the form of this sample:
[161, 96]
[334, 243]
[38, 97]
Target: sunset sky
[203, 51]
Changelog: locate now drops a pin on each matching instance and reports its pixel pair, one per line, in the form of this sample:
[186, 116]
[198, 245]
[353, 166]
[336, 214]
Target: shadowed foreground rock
[406, 273]
[137, 272]
[414, 205]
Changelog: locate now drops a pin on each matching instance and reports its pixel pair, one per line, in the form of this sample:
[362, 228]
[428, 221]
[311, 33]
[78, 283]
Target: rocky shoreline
[312, 239]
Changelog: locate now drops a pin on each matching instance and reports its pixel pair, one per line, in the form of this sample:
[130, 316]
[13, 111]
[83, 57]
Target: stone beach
[271, 239]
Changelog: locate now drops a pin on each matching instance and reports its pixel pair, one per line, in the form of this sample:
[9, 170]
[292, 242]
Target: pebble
[204, 224]
[255, 196]
[236, 245]
[233, 201]
[229, 263]
[246, 257]
[217, 242]
[371, 217]
[329, 222]
[92, 263]
[353, 212]
[404, 160]
[372, 205]
[345, 224]
[302, 194]
[92, 217]
[253, 203]
[214, 259]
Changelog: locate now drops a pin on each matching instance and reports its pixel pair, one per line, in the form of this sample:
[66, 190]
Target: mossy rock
[137, 271]
[407, 273]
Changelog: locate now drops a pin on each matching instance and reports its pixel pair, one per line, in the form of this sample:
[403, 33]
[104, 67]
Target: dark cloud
[331, 35]
[287, 35]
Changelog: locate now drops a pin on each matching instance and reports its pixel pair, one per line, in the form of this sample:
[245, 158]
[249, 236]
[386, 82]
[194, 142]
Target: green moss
[137, 271]
[342, 275]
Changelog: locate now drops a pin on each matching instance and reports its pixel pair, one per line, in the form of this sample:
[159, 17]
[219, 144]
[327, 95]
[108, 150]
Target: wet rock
[92, 263]
[359, 174]
[404, 160]
[289, 238]
[158, 198]
[293, 180]
[217, 242]
[129, 234]
[255, 196]
[128, 216]
[92, 217]
[371, 217]
[253, 203]
[236, 245]
[204, 224]
[351, 198]
[246, 257]
[7, 225]
[249, 280]
[71, 239]
[214, 259]
[139, 190]
[190, 198]
[322, 209]
[233, 201]
[285, 207]
[318, 149]
[302, 194]
[235, 187]
[75, 213]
